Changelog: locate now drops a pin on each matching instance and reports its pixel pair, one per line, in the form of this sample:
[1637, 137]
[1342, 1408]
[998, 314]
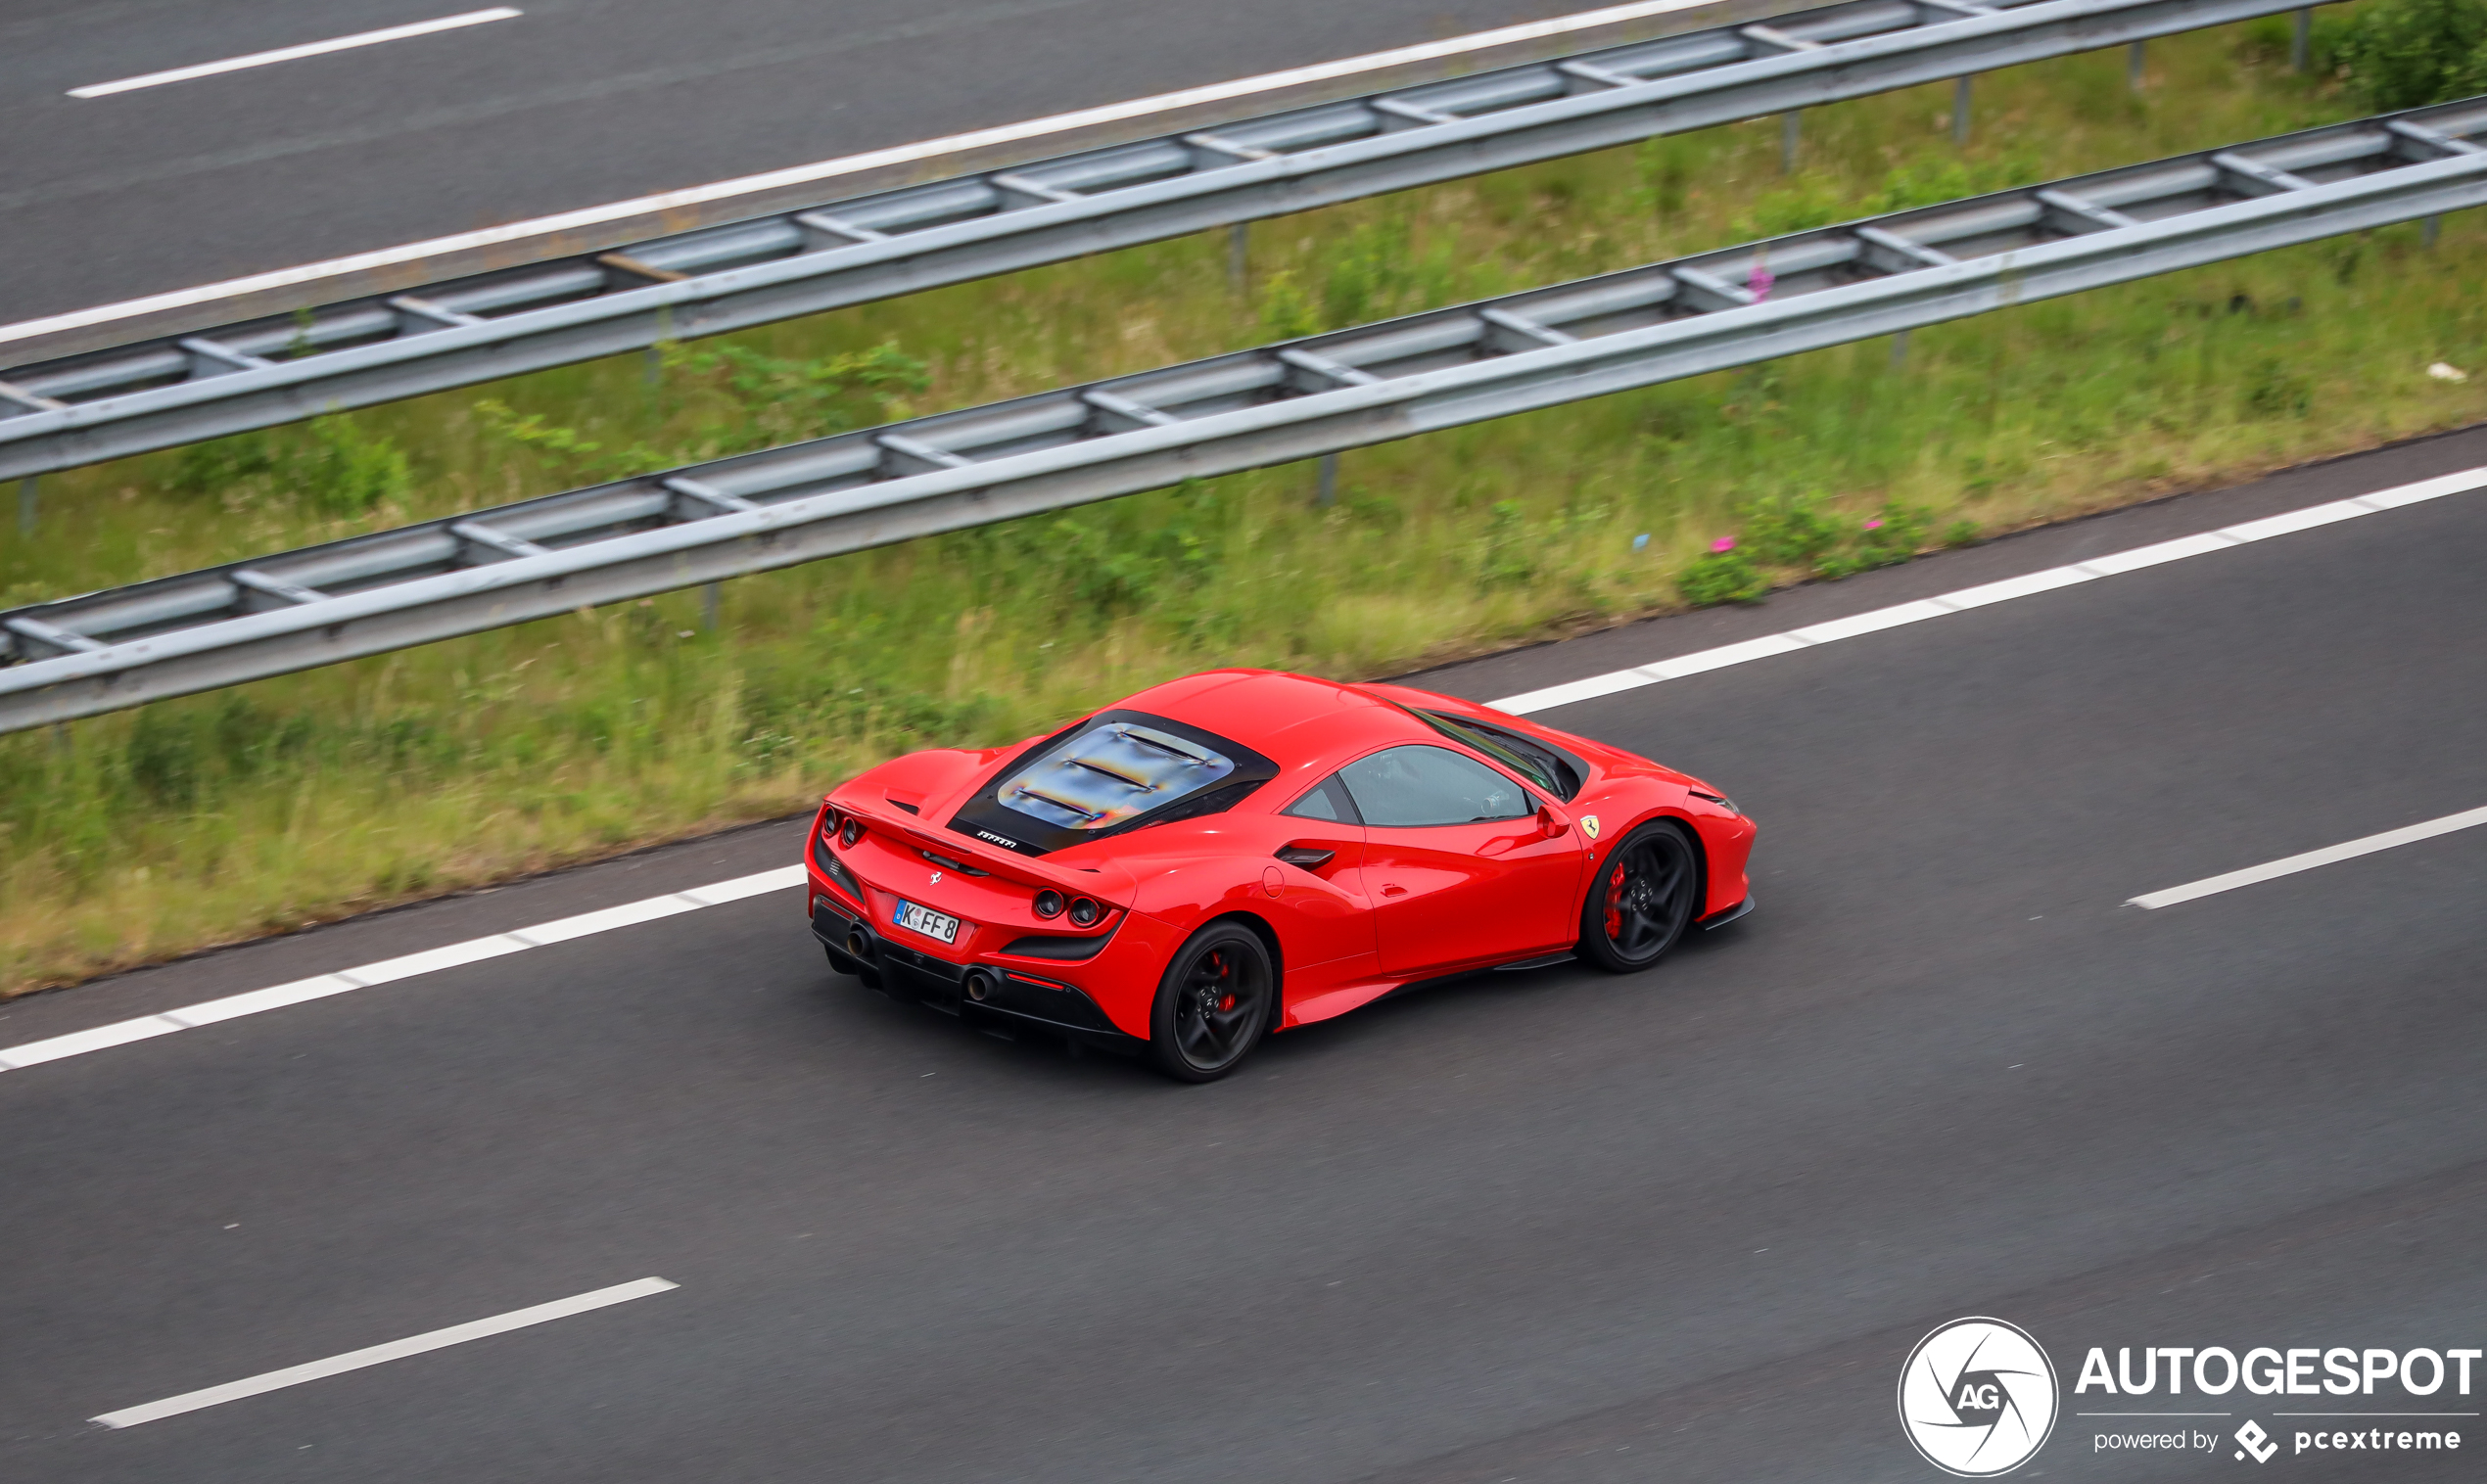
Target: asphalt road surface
[576, 103]
[1547, 1226]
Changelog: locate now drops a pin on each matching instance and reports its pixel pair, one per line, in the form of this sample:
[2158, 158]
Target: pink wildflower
[1723, 543]
[1873, 524]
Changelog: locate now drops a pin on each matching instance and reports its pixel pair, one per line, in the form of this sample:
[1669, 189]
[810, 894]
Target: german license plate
[923, 919]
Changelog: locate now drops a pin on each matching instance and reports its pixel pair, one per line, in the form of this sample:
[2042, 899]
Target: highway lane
[577, 103]
[1550, 1226]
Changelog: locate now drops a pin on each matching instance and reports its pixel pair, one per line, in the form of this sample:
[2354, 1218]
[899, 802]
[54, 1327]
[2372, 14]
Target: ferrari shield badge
[1590, 825]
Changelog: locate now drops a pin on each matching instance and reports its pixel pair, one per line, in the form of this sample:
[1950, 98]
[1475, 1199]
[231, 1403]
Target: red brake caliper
[1614, 902]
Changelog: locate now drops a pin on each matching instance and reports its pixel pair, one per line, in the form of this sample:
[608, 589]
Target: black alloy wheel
[1643, 896]
[1213, 1003]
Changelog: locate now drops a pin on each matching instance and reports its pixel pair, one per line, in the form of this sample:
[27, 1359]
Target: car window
[1329, 801]
[1551, 768]
[1431, 785]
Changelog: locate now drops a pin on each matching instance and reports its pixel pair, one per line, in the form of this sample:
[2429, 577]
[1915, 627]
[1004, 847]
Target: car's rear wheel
[1213, 1004]
[1643, 896]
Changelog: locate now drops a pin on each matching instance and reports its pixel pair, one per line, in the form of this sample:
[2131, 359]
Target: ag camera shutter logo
[1978, 1398]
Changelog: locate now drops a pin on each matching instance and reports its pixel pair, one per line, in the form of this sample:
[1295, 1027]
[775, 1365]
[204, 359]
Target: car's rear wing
[1106, 882]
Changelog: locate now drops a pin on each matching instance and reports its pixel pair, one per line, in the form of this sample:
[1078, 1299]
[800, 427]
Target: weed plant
[137, 835]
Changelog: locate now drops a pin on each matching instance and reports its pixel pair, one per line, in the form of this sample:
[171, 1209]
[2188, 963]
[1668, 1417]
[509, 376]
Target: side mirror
[1550, 823]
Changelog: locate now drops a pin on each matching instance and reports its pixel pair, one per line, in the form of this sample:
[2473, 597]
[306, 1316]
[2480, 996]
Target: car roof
[1288, 718]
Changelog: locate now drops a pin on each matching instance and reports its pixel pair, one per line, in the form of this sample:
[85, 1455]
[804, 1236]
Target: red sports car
[1242, 851]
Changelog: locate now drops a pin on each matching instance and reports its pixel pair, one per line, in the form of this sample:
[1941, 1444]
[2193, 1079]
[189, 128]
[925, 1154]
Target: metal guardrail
[180, 388]
[490, 568]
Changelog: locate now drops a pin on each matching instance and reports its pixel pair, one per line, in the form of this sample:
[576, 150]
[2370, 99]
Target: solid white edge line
[1573, 690]
[2292, 521]
[291, 53]
[2151, 556]
[1868, 623]
[252, 1002]
[2289, 865]
[2026, 586]
[78, 1042]
[827, 169]
[405, 966]
[719, 893]
[394, 1350]
[628, 914]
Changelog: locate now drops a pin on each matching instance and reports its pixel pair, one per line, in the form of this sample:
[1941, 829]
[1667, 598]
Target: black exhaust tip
[979, 985]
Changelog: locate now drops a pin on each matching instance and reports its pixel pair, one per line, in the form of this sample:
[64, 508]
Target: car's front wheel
[1213, 1003]
[1644, 895]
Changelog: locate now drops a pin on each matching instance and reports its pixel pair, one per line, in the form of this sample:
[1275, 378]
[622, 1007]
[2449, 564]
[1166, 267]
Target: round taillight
[853, 831]
[1084, 913]
[1048, 904]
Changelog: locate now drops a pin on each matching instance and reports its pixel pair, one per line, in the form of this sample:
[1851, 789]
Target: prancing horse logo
[1590, 825]
[936, 879]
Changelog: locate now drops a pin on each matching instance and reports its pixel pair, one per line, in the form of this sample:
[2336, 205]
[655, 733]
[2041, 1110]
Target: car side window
[1329, 801]
[1411, 786]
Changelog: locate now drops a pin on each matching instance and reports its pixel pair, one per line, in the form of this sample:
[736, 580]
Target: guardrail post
[711, 599]
[2434, 225]
[26, 505]
[2301, 40]
[1239, 257]
[2134, 56]
[1960, 111]
[656, 347]
[1791, 134]
[1899, 350]
[1328, 493]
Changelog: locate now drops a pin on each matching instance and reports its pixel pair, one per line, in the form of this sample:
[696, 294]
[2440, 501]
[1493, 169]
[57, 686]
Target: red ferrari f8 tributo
[1242, 851]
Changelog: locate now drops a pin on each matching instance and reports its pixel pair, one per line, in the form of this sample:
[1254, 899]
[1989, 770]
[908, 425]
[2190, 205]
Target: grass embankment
[144, 834]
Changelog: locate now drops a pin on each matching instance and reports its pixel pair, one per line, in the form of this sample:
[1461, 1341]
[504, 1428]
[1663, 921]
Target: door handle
[1311, 857]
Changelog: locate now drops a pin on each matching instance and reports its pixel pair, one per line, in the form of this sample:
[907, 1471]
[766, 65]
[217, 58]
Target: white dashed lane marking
[394, 1350]
[2289, 865]
[294, 53]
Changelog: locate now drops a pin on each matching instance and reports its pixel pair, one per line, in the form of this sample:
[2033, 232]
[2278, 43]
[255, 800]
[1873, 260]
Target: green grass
[140, 835]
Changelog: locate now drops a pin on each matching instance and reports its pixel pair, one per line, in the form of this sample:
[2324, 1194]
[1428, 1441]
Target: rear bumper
[1007, 990]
